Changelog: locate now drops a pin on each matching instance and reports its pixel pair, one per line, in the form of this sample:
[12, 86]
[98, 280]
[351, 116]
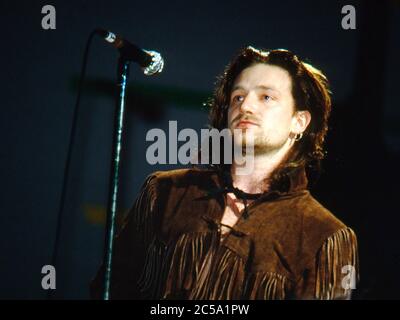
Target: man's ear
[301, 120]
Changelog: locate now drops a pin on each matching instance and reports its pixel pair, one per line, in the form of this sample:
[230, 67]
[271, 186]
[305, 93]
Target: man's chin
[259, 145]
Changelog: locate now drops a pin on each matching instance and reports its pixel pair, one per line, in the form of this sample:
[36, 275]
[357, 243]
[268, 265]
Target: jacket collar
[296, 180]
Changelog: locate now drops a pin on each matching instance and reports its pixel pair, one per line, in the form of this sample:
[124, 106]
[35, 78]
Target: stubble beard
[260, 142]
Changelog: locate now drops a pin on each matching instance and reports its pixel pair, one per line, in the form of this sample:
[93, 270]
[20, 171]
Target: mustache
[244, 118]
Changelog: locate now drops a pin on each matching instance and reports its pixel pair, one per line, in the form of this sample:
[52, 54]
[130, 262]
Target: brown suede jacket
[287, 246]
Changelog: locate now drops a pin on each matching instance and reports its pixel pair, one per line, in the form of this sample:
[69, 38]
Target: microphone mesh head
[157, 64]
[110, 37]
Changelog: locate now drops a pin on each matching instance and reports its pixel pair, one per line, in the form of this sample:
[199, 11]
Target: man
[215, 234]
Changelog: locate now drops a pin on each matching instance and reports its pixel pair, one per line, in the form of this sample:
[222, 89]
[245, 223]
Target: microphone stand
[122, 76]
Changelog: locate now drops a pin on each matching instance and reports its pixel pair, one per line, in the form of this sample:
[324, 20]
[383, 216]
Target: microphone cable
[69, 155]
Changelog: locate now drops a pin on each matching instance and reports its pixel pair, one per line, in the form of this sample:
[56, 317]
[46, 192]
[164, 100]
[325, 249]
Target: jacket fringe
[267, 286]
[197, 269]
[144, 211]
[144, 220]
[338, 250]
[221, 278]
[203, 270]
[150, 280]
[188, 254]
[200, 269]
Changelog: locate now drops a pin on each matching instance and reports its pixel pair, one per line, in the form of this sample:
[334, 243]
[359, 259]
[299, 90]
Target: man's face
[261, 103]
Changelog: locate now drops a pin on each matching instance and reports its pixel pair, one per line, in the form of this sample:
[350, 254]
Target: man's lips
[246, 123]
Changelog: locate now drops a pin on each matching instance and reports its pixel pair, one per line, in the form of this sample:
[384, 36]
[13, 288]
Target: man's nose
[249, 103]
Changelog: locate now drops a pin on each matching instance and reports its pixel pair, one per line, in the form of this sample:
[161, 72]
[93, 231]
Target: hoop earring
[298, 136]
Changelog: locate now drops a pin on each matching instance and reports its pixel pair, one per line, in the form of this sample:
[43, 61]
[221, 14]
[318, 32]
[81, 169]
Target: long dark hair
[310, 91]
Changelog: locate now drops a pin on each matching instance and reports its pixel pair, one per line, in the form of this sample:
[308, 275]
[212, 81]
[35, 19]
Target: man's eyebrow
[257, 87]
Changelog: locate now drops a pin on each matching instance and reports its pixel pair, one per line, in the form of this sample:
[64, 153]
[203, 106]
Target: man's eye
[267, 98]
[237, 98]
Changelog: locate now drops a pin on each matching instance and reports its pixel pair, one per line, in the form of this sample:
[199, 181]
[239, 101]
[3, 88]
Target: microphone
[150, 61]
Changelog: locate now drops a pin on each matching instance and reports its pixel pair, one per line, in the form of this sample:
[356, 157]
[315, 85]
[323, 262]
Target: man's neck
[264, 166]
